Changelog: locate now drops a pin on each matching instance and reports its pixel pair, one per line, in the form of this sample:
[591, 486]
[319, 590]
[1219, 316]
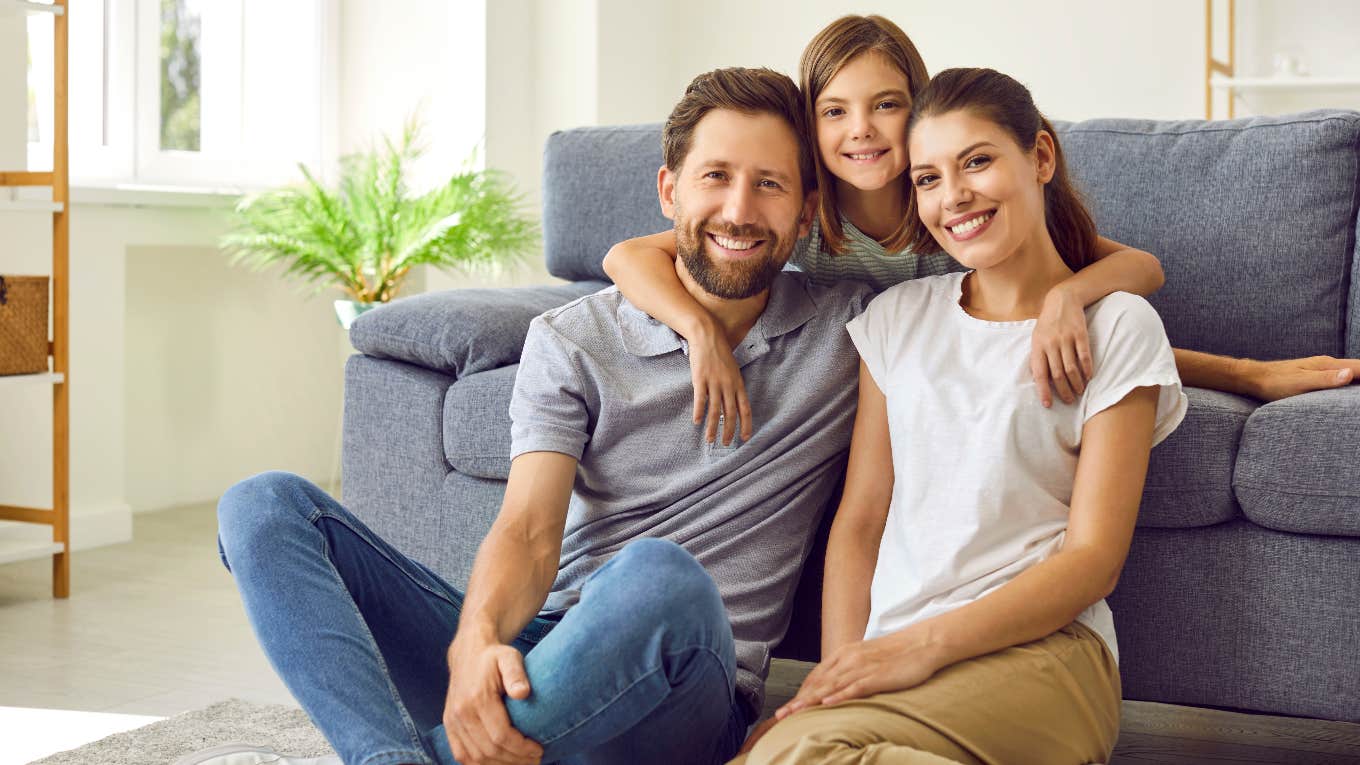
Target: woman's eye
[978, 160]
[924, 179]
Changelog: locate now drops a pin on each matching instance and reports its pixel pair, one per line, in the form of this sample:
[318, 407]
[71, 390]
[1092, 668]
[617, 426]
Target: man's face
[737, 202]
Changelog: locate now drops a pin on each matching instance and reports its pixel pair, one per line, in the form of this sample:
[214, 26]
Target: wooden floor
[154, 627]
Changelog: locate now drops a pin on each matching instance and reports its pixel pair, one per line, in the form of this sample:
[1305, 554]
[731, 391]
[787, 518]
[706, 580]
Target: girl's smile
[861, 122]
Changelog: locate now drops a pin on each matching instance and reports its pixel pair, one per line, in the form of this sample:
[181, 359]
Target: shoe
[250, 754]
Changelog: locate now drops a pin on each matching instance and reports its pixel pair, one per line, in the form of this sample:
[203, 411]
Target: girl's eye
[979, 160]
[885, 105]
[834, 111]
[924, 179]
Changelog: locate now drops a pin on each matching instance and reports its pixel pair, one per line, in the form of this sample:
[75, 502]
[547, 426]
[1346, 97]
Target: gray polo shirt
[605, 383]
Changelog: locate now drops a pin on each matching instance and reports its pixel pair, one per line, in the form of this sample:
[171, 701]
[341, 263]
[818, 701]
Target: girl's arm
[1060, 354]
[1048, 596]
[644, 270]
[852, 550]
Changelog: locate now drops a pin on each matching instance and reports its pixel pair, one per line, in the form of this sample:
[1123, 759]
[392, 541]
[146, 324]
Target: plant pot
[346, 311]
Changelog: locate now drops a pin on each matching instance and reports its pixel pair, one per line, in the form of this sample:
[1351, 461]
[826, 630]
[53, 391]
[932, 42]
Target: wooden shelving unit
[1220, 74]
[59, 515]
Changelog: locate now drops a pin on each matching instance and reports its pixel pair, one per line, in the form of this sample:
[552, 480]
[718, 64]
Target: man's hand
[481, 673]
[1060, 349]
[893, 662]
[1274, 380]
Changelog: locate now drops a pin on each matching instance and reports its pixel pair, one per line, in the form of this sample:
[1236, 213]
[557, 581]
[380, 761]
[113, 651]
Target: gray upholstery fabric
[1228, 199]
[477, 423]
[1299, 468]
[1239, 616]
[460, 332]
[599, 188]
[1189, 480]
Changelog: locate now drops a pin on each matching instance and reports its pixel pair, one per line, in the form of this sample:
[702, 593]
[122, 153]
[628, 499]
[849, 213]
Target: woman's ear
[1045, 156]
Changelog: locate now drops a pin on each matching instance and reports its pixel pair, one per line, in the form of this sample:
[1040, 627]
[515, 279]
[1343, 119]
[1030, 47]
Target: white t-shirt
[983, 472]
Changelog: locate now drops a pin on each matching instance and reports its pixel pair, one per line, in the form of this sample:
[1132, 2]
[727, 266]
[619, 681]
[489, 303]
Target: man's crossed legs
[642, 669]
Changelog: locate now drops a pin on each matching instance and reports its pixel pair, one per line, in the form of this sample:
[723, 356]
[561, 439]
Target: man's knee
[248, 508]
[664, 572]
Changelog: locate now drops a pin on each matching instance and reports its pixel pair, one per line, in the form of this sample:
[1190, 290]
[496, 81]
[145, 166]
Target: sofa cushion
[601, 182]
[1299, 466]
[460, 332]
[1189, 480]
[477, 423]
[1220, 199]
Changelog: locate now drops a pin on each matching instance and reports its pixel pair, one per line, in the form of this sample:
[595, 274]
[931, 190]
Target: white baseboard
[91, 526]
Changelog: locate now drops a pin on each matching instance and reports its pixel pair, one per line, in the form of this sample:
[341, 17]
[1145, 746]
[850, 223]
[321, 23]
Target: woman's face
[980, 195]
[861, 122]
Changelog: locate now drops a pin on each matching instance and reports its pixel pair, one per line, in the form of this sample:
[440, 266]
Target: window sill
[141, 195]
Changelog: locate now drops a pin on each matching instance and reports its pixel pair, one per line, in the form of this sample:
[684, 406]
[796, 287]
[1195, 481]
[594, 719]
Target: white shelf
[27, 549]
[29, 205]
[1285, 83]
[30, 7]
[41, 377]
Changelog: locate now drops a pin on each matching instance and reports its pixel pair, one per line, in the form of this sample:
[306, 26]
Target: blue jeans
[641, 670]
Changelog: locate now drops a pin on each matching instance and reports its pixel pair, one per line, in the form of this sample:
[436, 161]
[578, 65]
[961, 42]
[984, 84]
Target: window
[209, 93]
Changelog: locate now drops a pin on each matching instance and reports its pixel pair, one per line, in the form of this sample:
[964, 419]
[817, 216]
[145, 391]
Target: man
[624, 604]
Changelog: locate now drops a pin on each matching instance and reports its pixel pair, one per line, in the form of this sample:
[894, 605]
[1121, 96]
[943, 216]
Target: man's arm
[511, 577]
[1266, 380]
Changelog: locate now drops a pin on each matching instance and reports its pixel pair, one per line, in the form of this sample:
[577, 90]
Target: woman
[858, 77]
[963, 612]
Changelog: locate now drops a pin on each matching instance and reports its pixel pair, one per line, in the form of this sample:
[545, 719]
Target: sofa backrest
[599, 188]
[1255, 220]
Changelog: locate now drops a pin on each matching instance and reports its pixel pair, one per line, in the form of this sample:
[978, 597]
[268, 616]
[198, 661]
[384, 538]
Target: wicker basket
[23, 325]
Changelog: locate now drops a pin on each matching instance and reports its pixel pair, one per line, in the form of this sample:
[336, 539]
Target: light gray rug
[283, 728]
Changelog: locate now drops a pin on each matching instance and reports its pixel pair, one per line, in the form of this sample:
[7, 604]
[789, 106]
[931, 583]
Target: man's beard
[731, 280]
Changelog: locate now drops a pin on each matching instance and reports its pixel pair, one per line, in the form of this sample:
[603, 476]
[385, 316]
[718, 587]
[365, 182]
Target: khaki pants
[1053, 701]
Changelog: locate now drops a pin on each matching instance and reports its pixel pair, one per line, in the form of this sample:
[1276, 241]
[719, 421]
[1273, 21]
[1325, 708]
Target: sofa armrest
[460, 332]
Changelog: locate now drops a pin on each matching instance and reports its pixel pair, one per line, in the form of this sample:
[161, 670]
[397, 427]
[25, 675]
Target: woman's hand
[718, 387]
[894, 662]
[1061, 349]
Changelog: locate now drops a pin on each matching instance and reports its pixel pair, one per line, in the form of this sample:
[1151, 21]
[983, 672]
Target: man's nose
[739, 206]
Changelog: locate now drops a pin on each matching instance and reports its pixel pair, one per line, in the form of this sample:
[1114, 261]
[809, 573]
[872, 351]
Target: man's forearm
[1205, 370]
[507, 588]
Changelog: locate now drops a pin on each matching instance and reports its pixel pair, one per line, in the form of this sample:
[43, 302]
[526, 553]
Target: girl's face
[977, 191]
[861, 122]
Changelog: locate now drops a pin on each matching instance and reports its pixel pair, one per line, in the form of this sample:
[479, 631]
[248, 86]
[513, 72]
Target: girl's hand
[855, 670]
[718, 388]
[1061, 351]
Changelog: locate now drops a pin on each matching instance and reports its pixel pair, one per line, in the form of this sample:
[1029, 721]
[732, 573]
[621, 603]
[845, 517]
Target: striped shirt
[865, 260]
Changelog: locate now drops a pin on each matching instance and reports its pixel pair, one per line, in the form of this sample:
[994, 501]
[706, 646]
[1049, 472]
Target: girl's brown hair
[1006, 103]
[823, 58]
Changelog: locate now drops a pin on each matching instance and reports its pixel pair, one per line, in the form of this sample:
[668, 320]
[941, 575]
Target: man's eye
[715, 175]
[769, 184]
[978, 160]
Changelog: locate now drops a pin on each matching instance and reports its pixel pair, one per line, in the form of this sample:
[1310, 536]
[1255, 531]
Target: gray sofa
[1242, 589]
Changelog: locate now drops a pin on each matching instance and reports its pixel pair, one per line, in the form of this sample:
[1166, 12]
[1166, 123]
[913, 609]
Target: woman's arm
[644, 270]
[1046, 597]
[1060, 354]
[852, 550]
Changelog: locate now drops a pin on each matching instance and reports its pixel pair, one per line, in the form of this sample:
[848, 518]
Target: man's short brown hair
[749, 91]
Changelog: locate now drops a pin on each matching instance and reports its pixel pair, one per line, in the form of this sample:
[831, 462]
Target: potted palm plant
[364, 236]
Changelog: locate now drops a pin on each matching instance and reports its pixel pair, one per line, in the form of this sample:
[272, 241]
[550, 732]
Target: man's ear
[1046, 156]
[809, 213]
[665, 191]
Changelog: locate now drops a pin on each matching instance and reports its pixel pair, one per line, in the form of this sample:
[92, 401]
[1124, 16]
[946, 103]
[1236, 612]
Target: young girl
[858, 77]
[963, 612]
